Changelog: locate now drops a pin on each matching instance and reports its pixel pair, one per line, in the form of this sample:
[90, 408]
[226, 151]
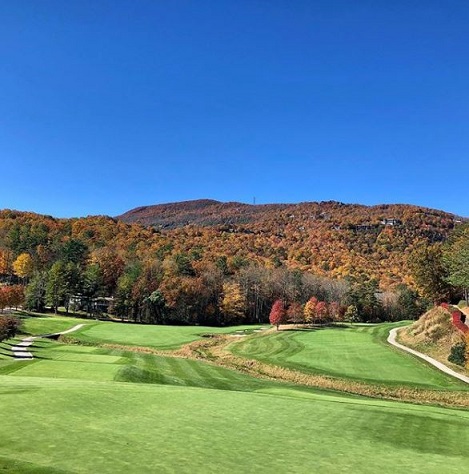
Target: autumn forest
[205, 262]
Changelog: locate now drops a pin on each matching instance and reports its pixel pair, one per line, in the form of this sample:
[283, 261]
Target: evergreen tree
[35, 294]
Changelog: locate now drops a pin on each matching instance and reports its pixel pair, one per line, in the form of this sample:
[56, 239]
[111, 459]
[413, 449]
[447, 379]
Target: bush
[458, 354]
[8, 327]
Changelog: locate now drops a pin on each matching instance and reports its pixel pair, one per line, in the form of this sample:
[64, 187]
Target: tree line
[148, 277]
[181, 289]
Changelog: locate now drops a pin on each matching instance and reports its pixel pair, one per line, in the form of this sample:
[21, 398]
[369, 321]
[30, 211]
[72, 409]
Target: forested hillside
[327, 238]
[214, 263]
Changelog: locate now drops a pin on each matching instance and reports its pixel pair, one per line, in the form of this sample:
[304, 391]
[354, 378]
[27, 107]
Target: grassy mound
[154, 336]
[433, 334]
[37, 325]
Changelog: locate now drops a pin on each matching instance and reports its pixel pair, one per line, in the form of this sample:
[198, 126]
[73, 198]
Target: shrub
[458, 354]
[8, 327]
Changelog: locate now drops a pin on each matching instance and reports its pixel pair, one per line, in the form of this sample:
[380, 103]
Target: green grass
[109, 427]
[359, 352]
[37, 325]
[5, 350]
[159, 337]
[56, 360]
[154, 336]
[84, 409]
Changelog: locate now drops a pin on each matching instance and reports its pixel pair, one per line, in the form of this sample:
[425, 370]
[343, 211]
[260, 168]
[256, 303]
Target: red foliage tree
[295, 313]
[321, 311]
[8, 327]
[277, 313]
[11, 296]
[334, 311]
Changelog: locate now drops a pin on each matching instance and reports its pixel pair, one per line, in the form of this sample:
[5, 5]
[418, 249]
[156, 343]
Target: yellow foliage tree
[23, 266]
[233, 304]
[310, 310]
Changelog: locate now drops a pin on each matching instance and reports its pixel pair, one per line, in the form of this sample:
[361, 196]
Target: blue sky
[109, 105]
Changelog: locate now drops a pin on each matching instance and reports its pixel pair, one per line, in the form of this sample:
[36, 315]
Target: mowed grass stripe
[205, 373]
[187, 373]
[147, 428]
[173, 371]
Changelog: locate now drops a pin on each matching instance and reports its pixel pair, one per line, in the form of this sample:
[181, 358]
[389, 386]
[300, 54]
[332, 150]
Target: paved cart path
[21, 350]
[430, 360]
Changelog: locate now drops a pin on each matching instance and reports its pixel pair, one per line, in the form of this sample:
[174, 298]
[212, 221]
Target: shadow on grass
[316, 328]
[9, 344]
[23, 314]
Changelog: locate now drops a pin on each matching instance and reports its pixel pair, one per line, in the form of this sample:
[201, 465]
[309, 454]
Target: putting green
[155, 336]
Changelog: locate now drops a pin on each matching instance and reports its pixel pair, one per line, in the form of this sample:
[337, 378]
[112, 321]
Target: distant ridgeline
[205, 262]
[328, 238]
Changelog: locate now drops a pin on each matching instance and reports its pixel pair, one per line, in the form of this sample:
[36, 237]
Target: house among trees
[391, 222]
[93, 306]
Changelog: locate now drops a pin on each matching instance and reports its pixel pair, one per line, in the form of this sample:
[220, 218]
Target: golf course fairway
[77, 426]
[358, 352]
[88, 409]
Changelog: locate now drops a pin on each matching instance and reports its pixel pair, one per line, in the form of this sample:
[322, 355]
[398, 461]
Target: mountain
[327, 238]
[202, 212]
[209, 213]
[307, 217]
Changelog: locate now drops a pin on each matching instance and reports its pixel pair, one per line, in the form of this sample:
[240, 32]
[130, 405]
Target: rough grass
[433, 334]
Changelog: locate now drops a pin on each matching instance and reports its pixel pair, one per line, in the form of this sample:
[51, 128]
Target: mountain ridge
[210, 212]
[330, 239]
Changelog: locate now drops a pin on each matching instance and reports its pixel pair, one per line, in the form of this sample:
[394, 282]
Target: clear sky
[106, 105]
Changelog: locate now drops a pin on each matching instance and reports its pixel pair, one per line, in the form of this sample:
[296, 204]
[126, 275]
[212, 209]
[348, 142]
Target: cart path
[430, 360]
[20, 350]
